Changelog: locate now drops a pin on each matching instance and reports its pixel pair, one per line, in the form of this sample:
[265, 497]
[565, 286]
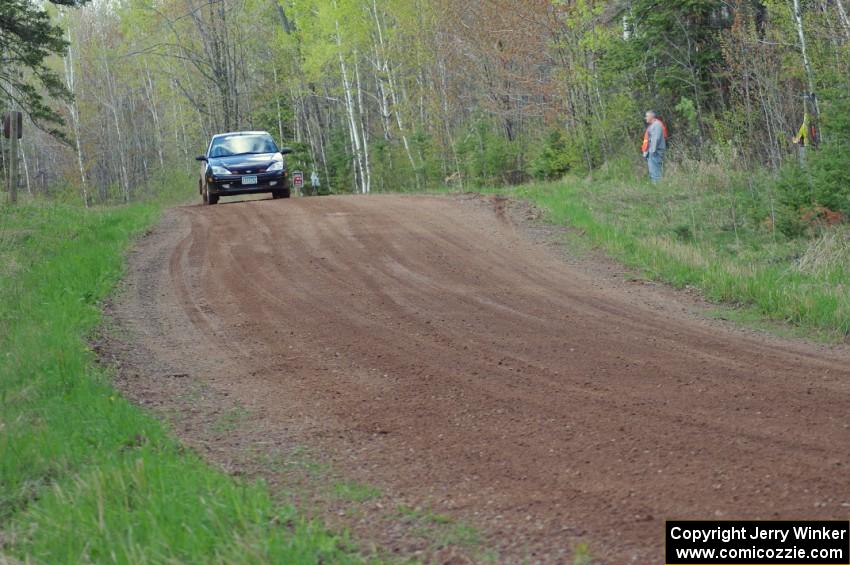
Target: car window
[240, 144]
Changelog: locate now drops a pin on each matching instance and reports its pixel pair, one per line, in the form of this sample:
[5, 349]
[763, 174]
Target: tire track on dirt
[428, 347]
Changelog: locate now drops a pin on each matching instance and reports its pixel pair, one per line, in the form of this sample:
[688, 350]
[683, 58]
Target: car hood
[255, 163]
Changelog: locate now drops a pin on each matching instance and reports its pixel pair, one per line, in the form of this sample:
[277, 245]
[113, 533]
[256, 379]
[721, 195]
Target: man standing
[807, 136]
[654, 145]
[314, 182]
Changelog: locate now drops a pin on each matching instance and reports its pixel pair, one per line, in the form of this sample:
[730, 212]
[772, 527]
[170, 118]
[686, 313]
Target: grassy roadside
[711, 230]
[84, 475]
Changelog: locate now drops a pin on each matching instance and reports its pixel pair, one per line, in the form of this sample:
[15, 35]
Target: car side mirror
[201, 158]
[285, 150]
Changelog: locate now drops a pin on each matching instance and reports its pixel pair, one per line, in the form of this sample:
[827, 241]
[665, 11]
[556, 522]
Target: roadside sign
[19, 124]
[298, 179]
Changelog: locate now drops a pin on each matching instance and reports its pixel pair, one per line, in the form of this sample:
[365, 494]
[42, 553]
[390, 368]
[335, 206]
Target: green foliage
[84, 475]
[300, 159]
[582, 555]
[27, 39]
[688, 111]
[265, 117]
[556, 156]
[795, 193]
[339, 162]
[829, 165]
[577, 151]
[391, 168]
[678, 45]
[814, 190]
[431, 164]
[486, 157]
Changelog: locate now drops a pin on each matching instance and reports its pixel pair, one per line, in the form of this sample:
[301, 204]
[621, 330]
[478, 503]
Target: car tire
[209, 199]
[281, 193]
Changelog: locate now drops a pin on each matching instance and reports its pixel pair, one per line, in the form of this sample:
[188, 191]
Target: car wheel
[209, 199]
[280, 194]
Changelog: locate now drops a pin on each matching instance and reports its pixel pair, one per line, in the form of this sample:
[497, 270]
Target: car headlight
[275, 166]
[217, 170]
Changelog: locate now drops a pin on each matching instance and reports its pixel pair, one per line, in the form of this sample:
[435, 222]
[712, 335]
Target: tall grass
[84, 475]
[713, 229]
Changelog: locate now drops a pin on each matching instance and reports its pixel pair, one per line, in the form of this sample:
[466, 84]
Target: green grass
[581, 555]
[710, 230]
[356, 492]
[298, 459]
[84, 475]
[442, 530]
[230, 420]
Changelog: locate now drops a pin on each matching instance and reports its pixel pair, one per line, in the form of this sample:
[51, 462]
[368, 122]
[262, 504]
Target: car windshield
[241, 144]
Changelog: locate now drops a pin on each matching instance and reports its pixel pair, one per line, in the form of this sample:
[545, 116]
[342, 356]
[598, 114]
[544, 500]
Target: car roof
[236, 133]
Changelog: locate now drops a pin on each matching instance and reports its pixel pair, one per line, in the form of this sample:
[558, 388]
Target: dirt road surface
[430, 347]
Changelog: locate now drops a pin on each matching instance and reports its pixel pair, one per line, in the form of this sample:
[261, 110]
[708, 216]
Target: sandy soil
[443, 350]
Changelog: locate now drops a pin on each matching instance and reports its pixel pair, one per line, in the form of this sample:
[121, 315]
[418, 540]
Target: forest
[491, 369]
[416, 94]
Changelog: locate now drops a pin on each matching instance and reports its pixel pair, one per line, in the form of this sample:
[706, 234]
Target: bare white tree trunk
[121, 150]
[798, 20]
[364, 130]
[179, 124]
[321, 141]
[297, 102]
[383, 102]
[26, 168]
[392, 90]
[175, 125]
[70, 82]
[842, 15]
[446, 115]
[277, 105]
[151, 96]
[360, 183]
[311, 139]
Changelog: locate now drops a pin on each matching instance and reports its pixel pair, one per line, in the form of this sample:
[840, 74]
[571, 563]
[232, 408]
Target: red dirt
[428, 346]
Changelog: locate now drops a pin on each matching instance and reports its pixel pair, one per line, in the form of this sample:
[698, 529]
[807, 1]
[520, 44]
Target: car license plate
[249, 179]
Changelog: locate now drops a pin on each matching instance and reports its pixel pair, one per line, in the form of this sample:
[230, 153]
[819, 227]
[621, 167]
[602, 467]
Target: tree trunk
[70, 82]
[845, 20]
[26, 168]
[387, 70]
[801, 34]
[360, 182]
[121, 150]
[364, 128]
[149, 93]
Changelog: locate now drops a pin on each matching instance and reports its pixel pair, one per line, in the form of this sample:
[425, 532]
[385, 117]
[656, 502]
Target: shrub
[816, 189]
[486, 156]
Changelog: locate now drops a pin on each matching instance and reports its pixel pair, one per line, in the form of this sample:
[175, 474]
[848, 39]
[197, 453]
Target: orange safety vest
[645, 147]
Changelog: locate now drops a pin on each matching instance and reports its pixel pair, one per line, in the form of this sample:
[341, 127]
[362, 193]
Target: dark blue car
[243, 162]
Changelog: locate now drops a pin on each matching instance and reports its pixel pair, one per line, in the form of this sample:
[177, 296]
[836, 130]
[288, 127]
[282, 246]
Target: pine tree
[27, 38]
